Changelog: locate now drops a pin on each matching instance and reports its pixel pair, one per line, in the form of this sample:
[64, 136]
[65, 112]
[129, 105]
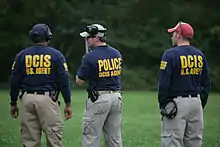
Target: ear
[178, 35]
[96, 38]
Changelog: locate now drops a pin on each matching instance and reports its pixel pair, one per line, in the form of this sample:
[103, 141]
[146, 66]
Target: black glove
[169, 110]
[204, 99]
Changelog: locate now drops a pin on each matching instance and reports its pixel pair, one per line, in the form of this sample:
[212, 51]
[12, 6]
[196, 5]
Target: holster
[93, 95]
[21, 93]
[54, 95]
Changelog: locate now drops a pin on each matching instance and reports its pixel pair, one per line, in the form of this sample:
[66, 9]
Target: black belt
[52, 94]
[37, 92]
[186, 96]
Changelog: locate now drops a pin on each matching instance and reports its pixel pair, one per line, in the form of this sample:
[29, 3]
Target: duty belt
[188, 96]
[107, 92]
[52, 94]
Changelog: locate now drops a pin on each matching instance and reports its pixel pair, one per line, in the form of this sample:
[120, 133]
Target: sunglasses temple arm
[86, 46]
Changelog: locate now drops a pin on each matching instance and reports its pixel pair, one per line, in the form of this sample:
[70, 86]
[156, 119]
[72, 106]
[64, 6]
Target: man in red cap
[184, 85]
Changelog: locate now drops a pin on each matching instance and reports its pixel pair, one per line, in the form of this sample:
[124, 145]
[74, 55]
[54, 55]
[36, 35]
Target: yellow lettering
[43, 71]
[196, 71]
[200, 70]
[182, 72]
[200, 59]
[115, 62]
[163, 65]
[115, 73]
[187, 71]
[47, 62]
[65, 66]
[48, 71]
[105, 65]
[191, 71]
[36, 59]
[195, 60]
[190, 61]
[100, 62]
[109, 65]
[28, 61]
[13, 66]
[119, 64]
[183, 61]
[104, 74]
[41, 60]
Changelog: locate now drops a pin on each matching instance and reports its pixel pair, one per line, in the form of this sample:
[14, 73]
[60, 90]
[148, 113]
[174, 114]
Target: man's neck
[42, 43]
[182, 43]
[101, 44]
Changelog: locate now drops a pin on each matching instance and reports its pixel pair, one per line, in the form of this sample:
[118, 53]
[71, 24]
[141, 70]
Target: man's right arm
[164, 79]
[63, 79]
[83, 71]
[15, 80]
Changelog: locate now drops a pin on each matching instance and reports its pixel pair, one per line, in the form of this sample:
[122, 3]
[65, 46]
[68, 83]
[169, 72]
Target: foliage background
[136, 27]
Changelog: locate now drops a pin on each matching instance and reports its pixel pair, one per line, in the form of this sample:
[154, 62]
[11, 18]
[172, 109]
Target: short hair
[186, 38]
[103, 39]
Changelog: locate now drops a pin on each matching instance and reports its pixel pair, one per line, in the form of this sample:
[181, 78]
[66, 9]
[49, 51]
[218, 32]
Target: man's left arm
[164, 79]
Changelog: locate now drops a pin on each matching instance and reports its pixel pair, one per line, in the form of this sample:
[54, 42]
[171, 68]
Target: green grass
[140, 125]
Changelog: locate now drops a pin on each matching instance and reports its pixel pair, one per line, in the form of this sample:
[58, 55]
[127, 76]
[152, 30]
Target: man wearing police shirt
[40, 72]
[184, 86]
[102, 69]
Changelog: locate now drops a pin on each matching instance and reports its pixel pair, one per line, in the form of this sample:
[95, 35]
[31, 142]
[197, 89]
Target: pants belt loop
[190, 96]
[198, 96]
[47, 93]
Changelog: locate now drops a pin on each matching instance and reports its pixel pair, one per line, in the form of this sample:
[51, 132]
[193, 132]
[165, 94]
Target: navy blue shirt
[40, 68]
[102, 68]
[183, 71]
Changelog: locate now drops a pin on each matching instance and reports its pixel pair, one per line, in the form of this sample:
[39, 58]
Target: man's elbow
[79, 81]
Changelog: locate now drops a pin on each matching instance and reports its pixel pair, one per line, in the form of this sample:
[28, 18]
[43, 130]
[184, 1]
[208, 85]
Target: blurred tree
[136, 27]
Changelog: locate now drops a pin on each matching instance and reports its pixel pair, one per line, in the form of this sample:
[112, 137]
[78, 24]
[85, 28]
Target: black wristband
[68, 104]
[13, 103]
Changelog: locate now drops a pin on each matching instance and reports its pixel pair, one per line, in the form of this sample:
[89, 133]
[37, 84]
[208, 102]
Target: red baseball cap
[184, 29]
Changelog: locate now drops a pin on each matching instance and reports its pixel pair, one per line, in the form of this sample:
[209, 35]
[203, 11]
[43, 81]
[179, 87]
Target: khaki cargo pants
[187, 127]
[39, 112]
[104, 114]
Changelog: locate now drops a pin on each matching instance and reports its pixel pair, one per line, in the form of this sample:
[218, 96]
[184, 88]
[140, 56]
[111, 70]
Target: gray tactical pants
[104, 114]
[187, 127]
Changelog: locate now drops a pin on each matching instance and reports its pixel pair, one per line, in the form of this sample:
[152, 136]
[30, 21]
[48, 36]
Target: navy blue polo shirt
[40, 68]
[102, 68]
[183, 71]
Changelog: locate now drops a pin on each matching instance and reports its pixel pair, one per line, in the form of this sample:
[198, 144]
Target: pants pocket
[100, 107]
[54, 136]
[86, 125]
[167, 138]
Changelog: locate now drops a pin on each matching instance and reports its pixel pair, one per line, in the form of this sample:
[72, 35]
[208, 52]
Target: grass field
[141, 121]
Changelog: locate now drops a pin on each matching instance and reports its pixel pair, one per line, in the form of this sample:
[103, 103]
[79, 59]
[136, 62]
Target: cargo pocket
[86, 125]
[54, 135]
[167, 137]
